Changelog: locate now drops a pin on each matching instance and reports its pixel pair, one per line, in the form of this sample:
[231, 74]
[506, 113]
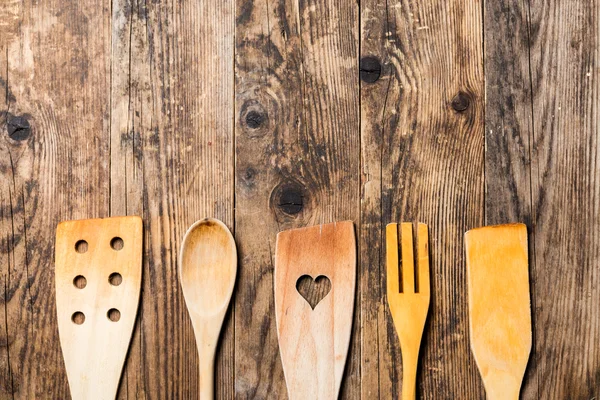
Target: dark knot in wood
[370, 69]
[255, 119]
[461, 102]
[18, 126]
[288, 197]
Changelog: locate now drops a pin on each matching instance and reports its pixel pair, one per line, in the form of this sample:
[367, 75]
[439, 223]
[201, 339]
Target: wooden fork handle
[409, 374]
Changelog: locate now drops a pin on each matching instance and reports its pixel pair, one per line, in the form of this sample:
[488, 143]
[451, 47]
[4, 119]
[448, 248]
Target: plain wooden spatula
[314, 342]
[98, 278]
[207, 271]
[499, 306]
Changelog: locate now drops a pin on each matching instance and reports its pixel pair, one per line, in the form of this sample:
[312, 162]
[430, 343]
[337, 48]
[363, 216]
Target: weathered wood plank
[509, 135]
[552, 115]
[54, 158]
[566, 192]
[172, 159]
[422, 159]
[297, 159]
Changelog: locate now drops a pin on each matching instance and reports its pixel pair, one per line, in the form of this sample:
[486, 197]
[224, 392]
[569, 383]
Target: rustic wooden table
[277, 114]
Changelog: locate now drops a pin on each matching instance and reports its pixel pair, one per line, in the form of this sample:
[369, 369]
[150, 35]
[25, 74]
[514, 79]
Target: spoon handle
[206, 355]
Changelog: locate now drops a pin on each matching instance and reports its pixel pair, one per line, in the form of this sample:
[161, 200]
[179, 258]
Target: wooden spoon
[313, 342]
[207, 271]
[499, 306]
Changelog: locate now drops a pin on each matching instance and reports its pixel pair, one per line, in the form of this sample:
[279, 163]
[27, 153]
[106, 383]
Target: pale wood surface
[408, 294]
[499, 306]
[96, 308]
[207, 271]
[313, 343]
[112, 108]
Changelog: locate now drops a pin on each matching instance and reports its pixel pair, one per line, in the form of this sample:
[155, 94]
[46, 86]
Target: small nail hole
[113, 314]
[79, 282]
[117, 243]
[115, 279]
[78, 318]
[81, 246]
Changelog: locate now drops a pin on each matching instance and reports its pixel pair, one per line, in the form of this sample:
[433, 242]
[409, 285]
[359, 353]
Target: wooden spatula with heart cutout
[98, 279]
[499, 306]
[313, 343]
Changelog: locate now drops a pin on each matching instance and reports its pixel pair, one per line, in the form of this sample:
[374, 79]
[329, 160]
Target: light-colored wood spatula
[408, 297]
[499, 306]
[98, 278]
[207, 271]
[313, 343]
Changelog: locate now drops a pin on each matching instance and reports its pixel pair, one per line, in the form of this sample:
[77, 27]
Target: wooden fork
[409, 302]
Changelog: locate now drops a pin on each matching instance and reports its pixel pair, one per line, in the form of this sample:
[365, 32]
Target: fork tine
[391, 240]
[408, 262]
[423, 258]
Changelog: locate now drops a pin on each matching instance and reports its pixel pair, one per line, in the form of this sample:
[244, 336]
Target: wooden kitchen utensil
[98, 278]
[207, 271]
[409, 302]
[314, 342]
[499, 306]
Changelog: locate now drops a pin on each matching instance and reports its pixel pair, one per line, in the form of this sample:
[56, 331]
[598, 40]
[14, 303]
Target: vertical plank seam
[234, 182]
[11, 251]
[359, 265]
[12, 384]
[532, 213]
[382, 288]
[484, 103]
[110, 108]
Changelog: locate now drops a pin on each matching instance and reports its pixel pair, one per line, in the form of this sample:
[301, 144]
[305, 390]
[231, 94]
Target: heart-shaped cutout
[313, 290]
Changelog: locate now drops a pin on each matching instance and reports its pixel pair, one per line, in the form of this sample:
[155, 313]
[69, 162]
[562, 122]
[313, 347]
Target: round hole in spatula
[117, 243]
[113, 314]
[81, 246]
[78, 318]
[115, 279]
[79, 282]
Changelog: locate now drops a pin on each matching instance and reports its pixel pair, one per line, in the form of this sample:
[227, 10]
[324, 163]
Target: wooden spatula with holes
[313, 342]
[499, 306]
[207, 271]
[98, 278]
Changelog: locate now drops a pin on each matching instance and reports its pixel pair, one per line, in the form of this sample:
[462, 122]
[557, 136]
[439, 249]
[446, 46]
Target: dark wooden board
[276, 114]
[542, 168]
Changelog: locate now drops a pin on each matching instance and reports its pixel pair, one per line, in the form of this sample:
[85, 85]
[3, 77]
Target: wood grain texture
[542, 166]
[422, 159]
[314, 341]
[98, 274]
[297, 159]
[134, 107]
